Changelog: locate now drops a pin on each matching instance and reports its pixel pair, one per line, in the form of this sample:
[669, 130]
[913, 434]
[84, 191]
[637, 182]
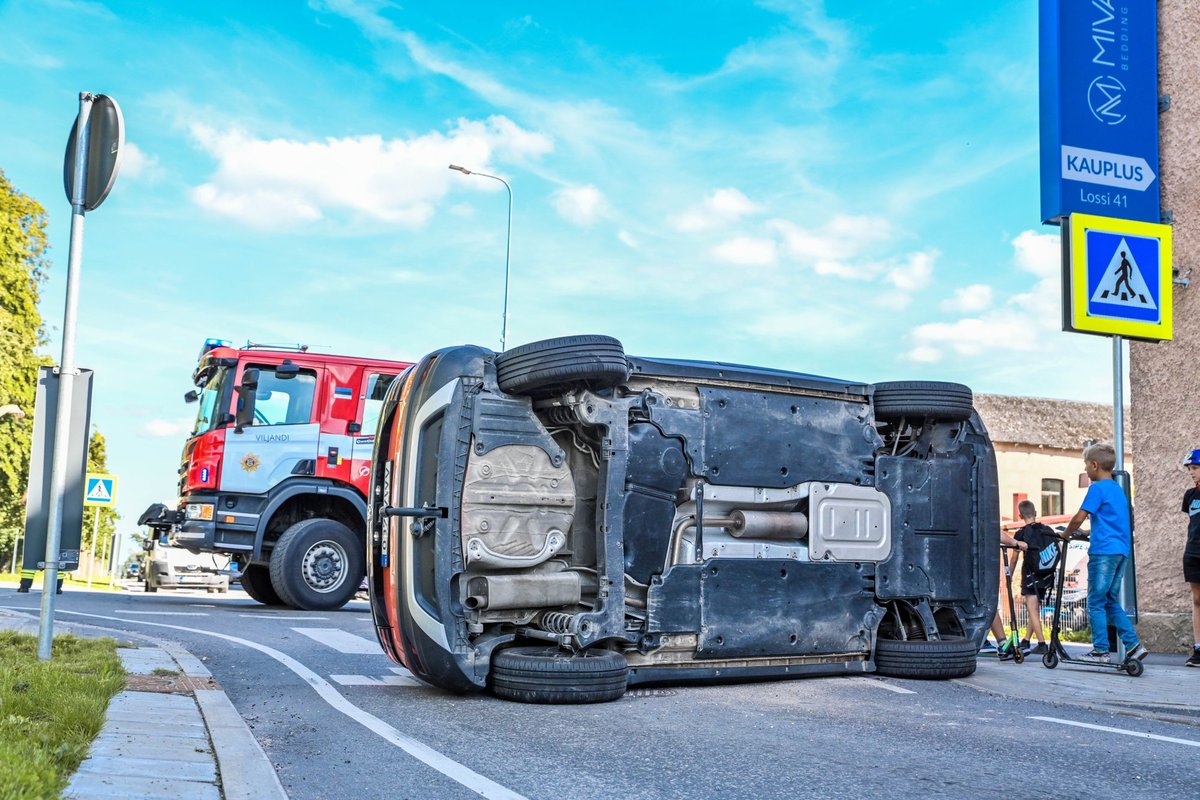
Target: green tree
[23, 268]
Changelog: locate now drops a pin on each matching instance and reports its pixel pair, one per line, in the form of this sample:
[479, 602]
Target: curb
[243, 771]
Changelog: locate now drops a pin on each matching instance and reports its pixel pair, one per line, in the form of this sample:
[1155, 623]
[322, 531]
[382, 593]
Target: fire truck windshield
[214, 399]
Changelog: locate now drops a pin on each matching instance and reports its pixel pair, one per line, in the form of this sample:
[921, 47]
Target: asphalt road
[338, 720]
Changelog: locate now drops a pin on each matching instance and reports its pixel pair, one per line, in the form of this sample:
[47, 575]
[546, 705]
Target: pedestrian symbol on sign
[100, 490]
[1122, 283]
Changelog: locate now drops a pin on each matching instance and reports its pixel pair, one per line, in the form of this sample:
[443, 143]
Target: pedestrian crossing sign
[100, 490]
[1117, 277]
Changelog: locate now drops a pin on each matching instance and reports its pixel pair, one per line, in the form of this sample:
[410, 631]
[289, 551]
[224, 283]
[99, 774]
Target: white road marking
[162, 613]
[879, 683]
[482, 786]
[1106, 729]
[385, 680]
[283, 616]
[341, 641]
[202, 605]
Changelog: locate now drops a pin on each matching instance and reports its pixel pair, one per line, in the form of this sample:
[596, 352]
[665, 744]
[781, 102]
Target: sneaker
[1098, 656]
[1194, 661]
[988, 646]
[1040, 650]
[1005, 652]
[1138, 652]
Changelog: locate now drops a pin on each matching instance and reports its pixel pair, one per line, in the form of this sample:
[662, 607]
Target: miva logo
[1104, 99]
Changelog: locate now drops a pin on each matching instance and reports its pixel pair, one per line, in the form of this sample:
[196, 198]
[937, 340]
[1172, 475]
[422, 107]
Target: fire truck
[275, 471]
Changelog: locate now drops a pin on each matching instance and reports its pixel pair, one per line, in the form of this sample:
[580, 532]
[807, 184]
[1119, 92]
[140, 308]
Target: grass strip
[50, 711]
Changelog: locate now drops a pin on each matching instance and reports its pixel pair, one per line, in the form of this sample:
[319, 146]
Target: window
[213, 400]
[1052, 497]
[377, 386]
[284, 401]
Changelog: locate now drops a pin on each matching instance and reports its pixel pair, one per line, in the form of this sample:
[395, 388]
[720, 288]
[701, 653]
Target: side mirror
[246, 396]
[191, 396]
[148, 545]
[287, 370]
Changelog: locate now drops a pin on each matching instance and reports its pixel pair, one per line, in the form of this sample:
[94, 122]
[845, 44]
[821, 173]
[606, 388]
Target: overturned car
[560, 521]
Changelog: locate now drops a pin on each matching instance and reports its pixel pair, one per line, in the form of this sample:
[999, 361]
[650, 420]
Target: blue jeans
[1104, 585]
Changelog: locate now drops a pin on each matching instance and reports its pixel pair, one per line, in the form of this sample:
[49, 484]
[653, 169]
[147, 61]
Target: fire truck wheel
[256, 582]
[542, 369]
[317, 565]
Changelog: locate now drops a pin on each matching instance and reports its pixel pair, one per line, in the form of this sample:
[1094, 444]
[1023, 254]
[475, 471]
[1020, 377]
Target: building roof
[1043, 422]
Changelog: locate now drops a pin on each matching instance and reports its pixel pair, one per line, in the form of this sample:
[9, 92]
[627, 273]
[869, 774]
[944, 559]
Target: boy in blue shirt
[1108, 552]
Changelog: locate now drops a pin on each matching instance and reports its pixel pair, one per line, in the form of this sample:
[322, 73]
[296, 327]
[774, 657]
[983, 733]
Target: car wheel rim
[324, 566]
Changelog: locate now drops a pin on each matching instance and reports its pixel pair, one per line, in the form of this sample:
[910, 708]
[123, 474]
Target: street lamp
[507, 245]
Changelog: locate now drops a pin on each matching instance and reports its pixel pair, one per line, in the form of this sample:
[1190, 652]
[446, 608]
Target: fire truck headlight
[201, 511]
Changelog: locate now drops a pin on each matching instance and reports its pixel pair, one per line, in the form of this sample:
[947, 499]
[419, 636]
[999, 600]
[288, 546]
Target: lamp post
[507, 245]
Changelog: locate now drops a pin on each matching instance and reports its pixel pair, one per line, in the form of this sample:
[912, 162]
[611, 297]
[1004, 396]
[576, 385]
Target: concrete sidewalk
[1166, 691]
[172, 733]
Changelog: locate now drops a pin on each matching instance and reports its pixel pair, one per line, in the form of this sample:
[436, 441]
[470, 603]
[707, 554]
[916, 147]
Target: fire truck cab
[275, 470]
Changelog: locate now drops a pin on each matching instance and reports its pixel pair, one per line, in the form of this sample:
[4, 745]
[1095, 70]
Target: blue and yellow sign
[100, 490]
[1118, 280]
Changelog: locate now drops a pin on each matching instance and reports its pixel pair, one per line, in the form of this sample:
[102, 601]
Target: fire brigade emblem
[250, 462]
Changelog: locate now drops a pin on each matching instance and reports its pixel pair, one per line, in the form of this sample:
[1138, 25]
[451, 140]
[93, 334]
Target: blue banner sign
[1099, 109]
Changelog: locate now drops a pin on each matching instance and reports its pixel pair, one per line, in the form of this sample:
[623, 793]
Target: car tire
[896, 400]
[547, 367]
[939, 659]
[317, 565]
[547, 674]
[256, 582]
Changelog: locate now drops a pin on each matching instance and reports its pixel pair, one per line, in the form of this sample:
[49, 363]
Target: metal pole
[1118, 400]
[113, 558]
[507, 246]
[66, 377]
[507, 250]
[92, 553]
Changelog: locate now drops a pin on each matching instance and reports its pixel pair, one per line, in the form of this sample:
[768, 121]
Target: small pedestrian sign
[1118, 277]
[100, 490]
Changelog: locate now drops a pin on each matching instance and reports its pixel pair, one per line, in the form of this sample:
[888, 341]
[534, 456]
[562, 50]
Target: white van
[176, 568]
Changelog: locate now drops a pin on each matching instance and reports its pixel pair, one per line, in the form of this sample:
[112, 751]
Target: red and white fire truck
[276, 469]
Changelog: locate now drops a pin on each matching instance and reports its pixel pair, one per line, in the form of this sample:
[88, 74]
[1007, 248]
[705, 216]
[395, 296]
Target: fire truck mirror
[191, 396]
[245, 406]
[286, 370]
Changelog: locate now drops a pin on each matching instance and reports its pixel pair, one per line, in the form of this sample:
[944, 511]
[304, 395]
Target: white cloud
[969, 299]
[913, 272]
[746, 251]
[719, 209]
[135, 163]
[276, 182]
[1039, 253]
[1022, 325]
[843, 237]
[162, 428]
[581, 205]
[628, 239]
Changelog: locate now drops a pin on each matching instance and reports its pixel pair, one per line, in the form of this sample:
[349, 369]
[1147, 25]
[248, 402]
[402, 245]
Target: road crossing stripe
[162, 613]
[284, 616]
[1106, 729]
[881, 684]
[484, 787]
[341, 641]
[385, 680]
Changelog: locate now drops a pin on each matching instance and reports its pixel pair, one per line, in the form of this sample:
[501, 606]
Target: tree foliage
[23, 268]
[97, 461]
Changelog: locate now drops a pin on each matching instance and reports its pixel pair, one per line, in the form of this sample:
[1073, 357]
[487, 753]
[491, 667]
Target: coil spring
[562, 415]
[556, 621]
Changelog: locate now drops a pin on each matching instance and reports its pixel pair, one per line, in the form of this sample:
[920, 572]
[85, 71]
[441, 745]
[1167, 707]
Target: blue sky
[847, 189]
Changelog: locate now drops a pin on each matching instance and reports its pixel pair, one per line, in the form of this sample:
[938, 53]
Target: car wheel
[553, 365]
[952, 657]
[317, 565]
[550, 675]
[256, 582]
[920, 399]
